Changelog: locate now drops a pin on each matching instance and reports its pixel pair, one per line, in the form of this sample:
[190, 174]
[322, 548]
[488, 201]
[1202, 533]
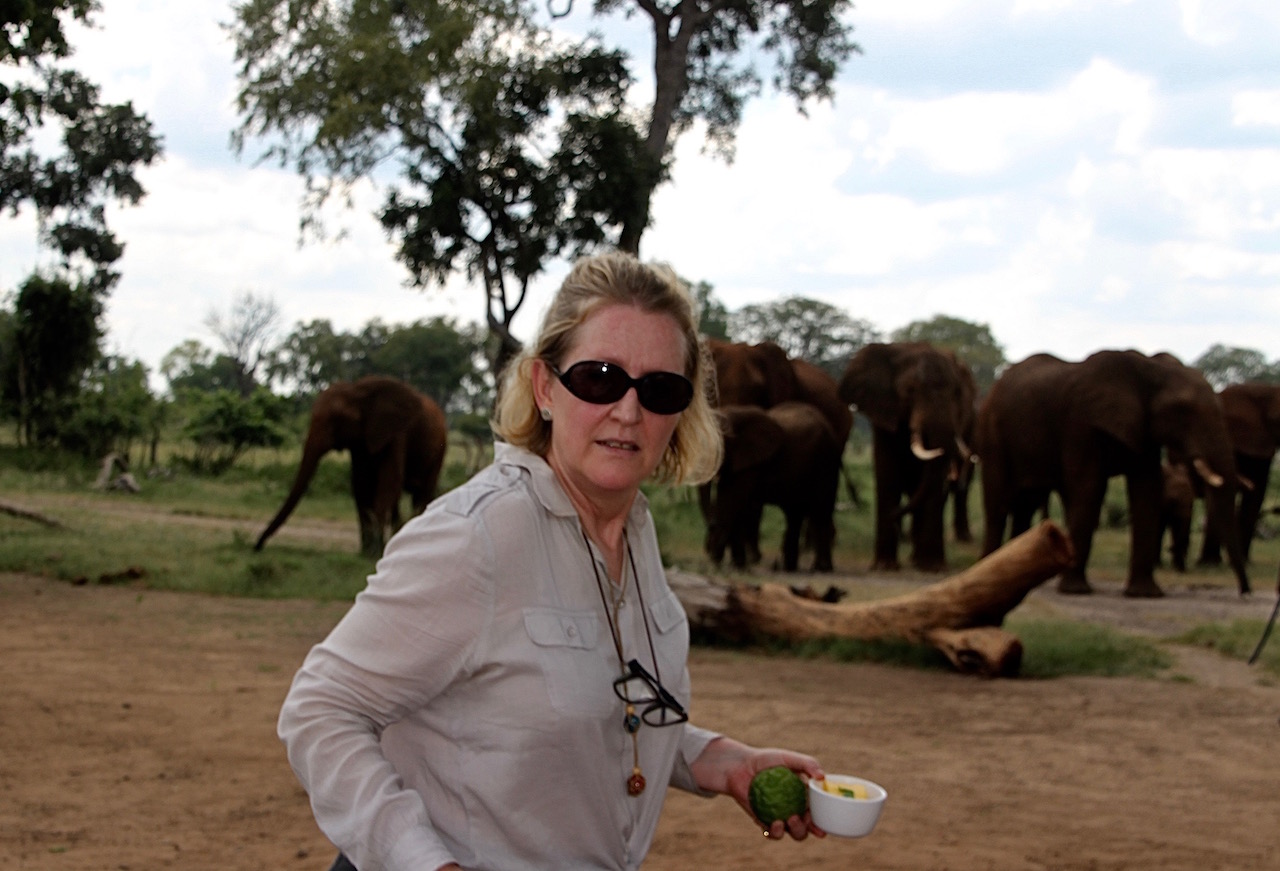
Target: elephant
[1051, 425]
[396, 437]
[787, 456]
[1177, 503]
[960, 481]
[1252, 413]
[759, 374]
[918, 400]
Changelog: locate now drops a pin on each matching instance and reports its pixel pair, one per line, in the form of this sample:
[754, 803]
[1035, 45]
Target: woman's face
[603, 452]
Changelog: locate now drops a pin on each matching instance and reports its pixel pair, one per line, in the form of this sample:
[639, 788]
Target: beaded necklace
[631, 721]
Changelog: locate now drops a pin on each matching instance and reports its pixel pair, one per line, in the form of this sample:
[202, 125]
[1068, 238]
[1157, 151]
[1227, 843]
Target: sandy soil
[137, 732]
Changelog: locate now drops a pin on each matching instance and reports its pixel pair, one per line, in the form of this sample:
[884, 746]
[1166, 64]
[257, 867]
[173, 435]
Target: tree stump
[960, 616]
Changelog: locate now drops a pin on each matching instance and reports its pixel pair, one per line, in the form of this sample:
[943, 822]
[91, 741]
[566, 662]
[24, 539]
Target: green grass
[1237, 639]
[202, 542]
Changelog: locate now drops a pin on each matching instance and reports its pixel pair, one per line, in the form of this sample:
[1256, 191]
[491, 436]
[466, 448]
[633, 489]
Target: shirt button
[573, 632]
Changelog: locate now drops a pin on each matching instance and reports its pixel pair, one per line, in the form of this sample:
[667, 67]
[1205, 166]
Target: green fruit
[777, 793]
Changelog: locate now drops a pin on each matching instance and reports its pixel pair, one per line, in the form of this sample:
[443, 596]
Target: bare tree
[246, 334]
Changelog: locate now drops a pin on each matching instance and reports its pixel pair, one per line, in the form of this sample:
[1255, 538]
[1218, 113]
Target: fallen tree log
[27, 514]
[960, 616]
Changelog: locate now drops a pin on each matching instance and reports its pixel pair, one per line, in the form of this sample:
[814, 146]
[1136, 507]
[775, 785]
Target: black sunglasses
[601, 383]
[657, 706]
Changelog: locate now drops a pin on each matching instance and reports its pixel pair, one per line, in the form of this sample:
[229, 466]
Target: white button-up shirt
[463, 709]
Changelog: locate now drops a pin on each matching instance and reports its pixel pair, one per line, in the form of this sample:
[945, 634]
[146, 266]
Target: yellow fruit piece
[847, 790]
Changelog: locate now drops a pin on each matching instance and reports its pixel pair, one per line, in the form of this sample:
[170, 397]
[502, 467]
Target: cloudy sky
[1077, 175]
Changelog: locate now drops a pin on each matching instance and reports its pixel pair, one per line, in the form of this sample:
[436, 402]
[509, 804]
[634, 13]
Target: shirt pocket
[671, 640]
[566, 651]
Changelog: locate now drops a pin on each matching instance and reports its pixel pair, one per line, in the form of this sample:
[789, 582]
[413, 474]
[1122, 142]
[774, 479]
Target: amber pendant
[635, 783]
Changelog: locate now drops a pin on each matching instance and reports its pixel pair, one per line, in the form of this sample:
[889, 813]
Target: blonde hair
[616, 278]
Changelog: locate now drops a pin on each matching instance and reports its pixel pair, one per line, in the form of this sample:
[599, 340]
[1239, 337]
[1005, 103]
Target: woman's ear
[540, 379]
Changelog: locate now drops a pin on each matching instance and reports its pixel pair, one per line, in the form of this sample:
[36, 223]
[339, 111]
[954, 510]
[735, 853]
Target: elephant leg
[889, 491]
[1211, 544]
[363, 489]
[1145, 489]
[791, 539]
[1257, 473]
[960, 509]
[1025, 505]
[1180, 531]
[1082, 504]
[928, 552]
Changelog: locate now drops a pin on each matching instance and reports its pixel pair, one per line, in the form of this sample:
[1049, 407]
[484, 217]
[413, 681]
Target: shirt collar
[546, 486]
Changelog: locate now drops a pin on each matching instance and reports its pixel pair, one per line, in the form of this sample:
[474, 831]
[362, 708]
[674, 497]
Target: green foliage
[99, 145]
[515, 146]
[1223, 366]
[54, 330]
[192, 368]
[804, 328]
[713, 316]
[1237, 639]
[223, 425]
[972, 343]
[114, 409]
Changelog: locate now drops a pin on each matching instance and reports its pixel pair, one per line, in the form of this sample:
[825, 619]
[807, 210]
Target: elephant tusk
[1205, 471]
[1245, 483]
[965, 452]
[923, 453]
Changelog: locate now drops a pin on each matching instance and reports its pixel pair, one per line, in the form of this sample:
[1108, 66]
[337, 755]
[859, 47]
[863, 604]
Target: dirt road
[137, 732]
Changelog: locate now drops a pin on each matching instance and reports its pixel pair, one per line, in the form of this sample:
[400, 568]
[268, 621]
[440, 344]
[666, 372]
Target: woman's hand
[727, 766]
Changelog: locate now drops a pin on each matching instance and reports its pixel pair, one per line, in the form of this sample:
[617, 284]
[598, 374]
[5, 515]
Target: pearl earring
[545, 412]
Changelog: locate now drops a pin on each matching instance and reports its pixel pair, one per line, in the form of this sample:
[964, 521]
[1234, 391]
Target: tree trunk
[27, 514]
[961, 615]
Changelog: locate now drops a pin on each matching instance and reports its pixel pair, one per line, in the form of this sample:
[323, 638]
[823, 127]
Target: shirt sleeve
[692, 743]
[408, 635]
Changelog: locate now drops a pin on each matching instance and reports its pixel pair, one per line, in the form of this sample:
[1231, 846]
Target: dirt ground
[137, 732]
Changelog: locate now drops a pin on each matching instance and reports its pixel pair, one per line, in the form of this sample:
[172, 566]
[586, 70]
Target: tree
[67, 155]
[1222, 366]
[246, 333]
[973, 343]
[512, 149]
[313, 356]
[713, 316]
[223, 425]
[704, 55]
[439, 359]
[55, 335]
[101, 144]
[805, 328]
[114, 410]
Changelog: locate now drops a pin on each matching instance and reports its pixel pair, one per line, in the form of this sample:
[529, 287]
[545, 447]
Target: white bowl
[844, 816]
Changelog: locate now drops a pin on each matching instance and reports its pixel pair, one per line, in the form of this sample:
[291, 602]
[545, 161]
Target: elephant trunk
[311, 455]
[1220, 508]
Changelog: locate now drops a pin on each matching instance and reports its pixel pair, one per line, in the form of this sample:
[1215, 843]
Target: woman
[509, 691]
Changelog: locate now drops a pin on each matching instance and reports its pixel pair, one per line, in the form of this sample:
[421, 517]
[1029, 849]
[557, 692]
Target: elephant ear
[1117, 409]
[870, 383]
[751, 437]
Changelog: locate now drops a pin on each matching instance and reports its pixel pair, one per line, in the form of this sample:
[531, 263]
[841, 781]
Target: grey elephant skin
[787, 456]
[920, 402]
[1252, 412]
[1049, 425]
[396, 437]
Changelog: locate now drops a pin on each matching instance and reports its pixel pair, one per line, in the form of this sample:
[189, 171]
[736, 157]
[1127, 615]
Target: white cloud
[1256, 108]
